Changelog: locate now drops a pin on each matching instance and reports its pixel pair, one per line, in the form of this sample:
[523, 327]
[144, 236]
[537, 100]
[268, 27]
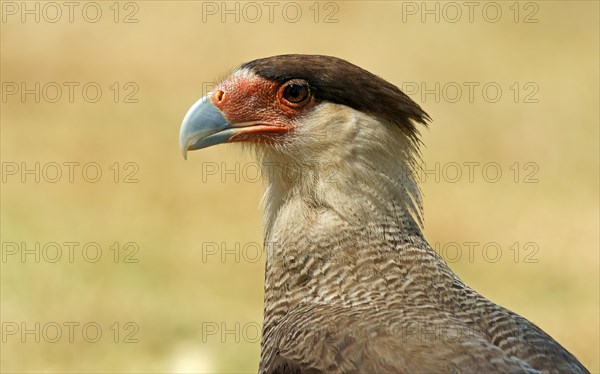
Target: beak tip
[183, 147]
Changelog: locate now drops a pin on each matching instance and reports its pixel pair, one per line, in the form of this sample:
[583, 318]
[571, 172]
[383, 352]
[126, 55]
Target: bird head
[312, 114]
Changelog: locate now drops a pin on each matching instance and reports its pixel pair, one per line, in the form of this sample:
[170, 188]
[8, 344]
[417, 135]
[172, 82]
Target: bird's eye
[296, 93]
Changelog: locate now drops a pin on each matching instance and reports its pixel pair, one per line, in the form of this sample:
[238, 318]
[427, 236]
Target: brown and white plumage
[351, 284]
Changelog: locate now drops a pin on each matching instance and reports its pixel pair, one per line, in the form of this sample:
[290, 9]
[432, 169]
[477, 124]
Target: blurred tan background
[163, 297]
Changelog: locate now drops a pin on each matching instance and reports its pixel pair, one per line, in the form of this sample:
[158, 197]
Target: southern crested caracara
[351, 284]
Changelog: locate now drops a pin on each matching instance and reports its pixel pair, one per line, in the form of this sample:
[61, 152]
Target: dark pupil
[295, 93]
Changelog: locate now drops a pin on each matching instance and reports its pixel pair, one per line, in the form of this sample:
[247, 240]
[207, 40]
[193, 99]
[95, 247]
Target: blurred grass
[171, 54]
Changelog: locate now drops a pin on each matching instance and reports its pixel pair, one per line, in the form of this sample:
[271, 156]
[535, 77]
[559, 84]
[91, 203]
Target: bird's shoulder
[316, 338]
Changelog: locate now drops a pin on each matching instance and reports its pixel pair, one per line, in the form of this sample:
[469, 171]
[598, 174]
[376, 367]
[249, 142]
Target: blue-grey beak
[203, 126]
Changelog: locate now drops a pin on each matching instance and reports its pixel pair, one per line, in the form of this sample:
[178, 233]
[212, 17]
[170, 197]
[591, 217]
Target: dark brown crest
[338, 81]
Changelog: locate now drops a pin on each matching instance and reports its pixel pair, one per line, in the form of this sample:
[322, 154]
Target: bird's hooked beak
[203, 125]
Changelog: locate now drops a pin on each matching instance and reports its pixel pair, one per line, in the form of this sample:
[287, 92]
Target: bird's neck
[361, 190]
[346, 166]
[338, 227]
[363, 204]
[344, 198]
[338, 236]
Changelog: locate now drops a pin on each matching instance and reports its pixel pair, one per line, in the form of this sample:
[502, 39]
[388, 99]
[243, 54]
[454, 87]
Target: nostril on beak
[218, 96]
